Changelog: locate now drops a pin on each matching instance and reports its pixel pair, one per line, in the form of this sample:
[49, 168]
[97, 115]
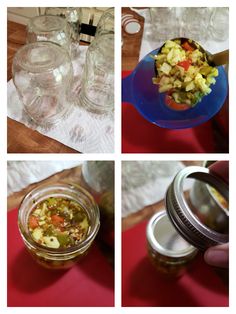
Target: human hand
[219, 255]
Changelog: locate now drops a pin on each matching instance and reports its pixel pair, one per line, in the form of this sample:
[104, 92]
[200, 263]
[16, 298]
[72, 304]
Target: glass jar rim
[60, 251]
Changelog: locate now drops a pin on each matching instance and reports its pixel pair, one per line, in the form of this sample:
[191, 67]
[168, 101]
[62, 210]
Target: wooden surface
[72, 175]
[131, 43]
[21, 139]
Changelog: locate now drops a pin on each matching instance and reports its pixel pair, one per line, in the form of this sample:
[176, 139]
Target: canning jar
[49, 28]
[58, 258]
[99, 175]
[161, 30]
[73, 17]
[219, 24]
[97, 90]
[195, 23]
[167, 250]
[106, 23]
[42, 73]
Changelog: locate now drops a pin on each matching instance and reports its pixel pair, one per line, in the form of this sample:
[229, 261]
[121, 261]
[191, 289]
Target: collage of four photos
[63, 211]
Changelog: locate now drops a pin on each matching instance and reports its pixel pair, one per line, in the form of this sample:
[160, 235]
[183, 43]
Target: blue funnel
[139, 90]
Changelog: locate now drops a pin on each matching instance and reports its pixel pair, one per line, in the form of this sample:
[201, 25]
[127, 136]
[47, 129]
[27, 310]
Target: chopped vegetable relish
[183, 71]
[58, 223]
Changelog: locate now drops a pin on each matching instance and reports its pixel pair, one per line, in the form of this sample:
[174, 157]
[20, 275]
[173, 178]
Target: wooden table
[131, 43]
[21, 139]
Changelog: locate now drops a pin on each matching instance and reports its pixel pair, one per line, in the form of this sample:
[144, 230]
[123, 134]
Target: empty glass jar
[73, 17]
[99, 175]
[97, 91]
[42, 74]
[106, 23]
[219, 24]
[164, 23]
[195, 23]
[49, 28]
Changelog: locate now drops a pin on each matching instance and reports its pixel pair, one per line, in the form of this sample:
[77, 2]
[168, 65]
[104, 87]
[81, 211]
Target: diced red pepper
[57, 220]
[169, 101]
[185, 64]
[187, 46]
[33, 222]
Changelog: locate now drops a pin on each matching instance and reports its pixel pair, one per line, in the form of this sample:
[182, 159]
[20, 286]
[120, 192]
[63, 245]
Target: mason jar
[106, 23]
[42, 74]
[72, 15]
[49, 28]
[97, 90]
[98, 178]
[62, 257]
[167, 250]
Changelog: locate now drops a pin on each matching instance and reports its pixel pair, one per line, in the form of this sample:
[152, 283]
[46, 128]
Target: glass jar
[106, 23]
[99, 175]
[42, 73]
[97, 90]
[219, 24]
[58, 258]
[167, 250]
[195, 23]
[73, 17]
[49, 28]
[99, 179]
[161, 29]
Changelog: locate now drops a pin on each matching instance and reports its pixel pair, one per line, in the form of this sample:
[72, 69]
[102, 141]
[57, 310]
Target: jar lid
[163, 237]
[181, 215]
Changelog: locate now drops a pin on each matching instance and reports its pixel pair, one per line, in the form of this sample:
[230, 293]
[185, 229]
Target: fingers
[221, 169]
[218, 256]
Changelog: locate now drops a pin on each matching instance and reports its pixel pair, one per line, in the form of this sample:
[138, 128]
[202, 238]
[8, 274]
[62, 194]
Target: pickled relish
[58, 222]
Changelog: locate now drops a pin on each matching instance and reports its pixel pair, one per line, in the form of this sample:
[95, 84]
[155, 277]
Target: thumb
[218, 255]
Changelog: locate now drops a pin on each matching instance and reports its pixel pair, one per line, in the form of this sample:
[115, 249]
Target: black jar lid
[181, 215]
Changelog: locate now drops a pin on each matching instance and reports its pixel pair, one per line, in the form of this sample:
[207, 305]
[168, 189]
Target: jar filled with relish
[58, 224]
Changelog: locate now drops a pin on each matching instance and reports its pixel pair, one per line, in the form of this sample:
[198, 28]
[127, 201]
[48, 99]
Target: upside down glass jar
[49, 28]
[58, 258]
[97, 90]
[42, 73]
[73, 16]
[106, 23]
[174, 236]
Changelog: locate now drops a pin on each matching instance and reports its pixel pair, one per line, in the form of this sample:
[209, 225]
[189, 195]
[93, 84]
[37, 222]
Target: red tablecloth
[141, 136]
[143, 286]
[89, 283]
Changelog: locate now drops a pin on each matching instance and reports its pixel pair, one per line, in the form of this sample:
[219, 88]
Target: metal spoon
[216, 59]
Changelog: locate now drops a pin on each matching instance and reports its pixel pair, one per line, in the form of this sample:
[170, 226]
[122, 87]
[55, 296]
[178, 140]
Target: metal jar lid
[164, 239]
[181, 215]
